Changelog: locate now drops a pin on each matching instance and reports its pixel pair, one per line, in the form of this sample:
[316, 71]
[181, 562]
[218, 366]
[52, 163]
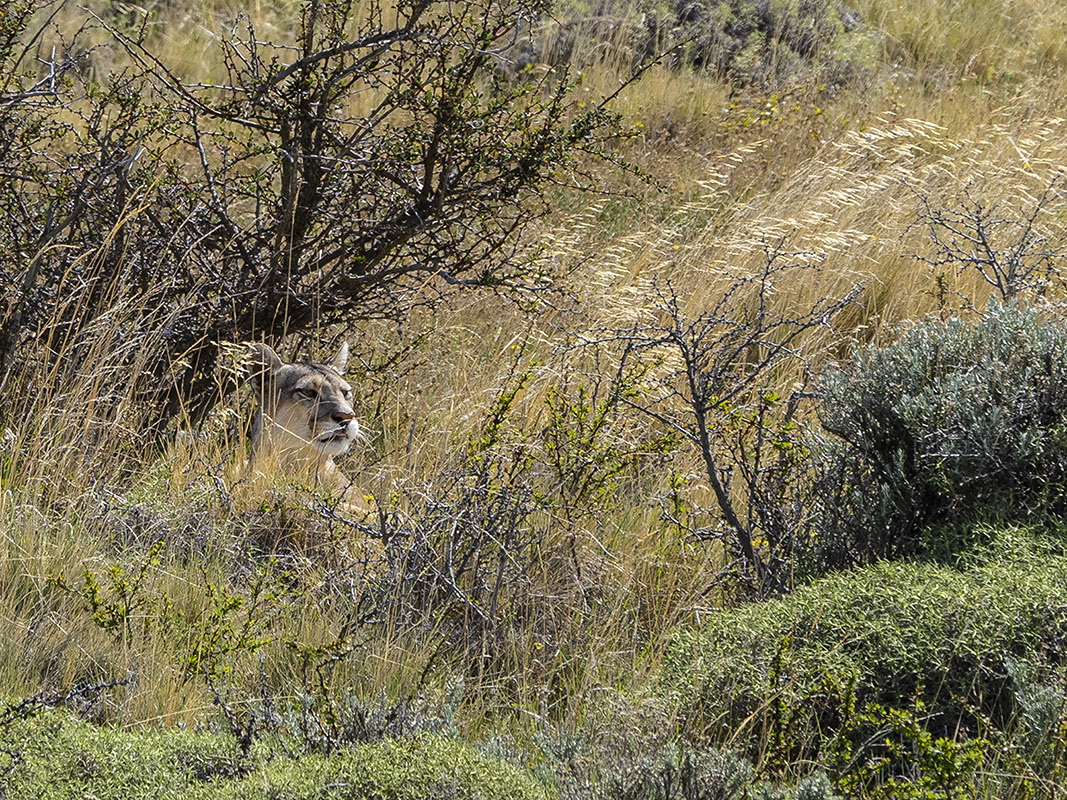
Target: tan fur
[305, 417]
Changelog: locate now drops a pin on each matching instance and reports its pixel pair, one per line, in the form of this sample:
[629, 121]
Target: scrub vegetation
[712, 362]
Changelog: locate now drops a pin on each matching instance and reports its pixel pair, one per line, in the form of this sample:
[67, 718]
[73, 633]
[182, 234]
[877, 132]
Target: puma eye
[306, 394]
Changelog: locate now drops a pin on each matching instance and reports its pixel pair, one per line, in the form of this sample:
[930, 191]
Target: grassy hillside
[551, 591]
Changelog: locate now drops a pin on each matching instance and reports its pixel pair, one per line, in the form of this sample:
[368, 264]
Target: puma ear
[340, 361]
[262, 363]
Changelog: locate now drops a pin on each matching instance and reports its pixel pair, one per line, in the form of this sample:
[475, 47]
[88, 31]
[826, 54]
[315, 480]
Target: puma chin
[305, 408]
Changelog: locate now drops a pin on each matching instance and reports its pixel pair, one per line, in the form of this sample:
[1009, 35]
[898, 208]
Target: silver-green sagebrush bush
[749, 43]
[955, 422]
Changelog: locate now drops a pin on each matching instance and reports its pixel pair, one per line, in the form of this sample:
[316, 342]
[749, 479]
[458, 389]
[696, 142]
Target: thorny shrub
[379, 163]
[710, 379]
[1016, 254]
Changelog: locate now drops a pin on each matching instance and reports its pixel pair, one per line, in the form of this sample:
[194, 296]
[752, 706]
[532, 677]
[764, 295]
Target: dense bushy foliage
[954, 422]
[56, 757]
[795, 675]
[747, 42]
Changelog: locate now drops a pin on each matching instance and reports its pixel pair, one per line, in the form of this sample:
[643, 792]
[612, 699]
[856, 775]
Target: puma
[304, 417]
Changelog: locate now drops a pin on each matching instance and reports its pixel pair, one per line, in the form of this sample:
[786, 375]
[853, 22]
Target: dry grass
[991, 40]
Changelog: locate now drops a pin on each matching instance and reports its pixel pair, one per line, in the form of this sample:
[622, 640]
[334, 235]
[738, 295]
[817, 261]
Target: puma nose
[342, 416]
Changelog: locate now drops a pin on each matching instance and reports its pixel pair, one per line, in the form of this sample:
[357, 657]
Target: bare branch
[1011, 254]
[711, 390]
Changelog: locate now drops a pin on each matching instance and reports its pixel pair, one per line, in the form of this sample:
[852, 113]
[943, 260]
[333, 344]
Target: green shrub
[890, 754]
[783, 673]
[55, 757]
[953, 423]
[816, 787]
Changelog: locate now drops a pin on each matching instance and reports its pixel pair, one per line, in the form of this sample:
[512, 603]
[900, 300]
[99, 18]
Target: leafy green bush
[55, 757]
[890, 754]
[953, 423]
[784, 673]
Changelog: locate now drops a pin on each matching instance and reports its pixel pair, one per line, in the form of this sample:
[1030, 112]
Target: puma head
[302, 404]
